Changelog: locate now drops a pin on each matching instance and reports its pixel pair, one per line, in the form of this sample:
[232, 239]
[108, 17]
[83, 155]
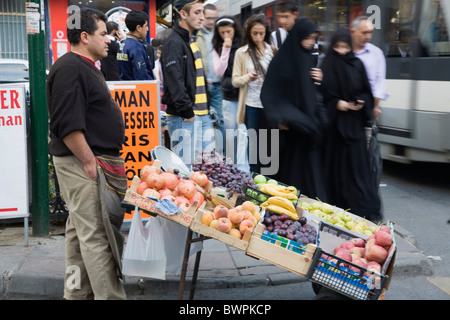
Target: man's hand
[76, 142]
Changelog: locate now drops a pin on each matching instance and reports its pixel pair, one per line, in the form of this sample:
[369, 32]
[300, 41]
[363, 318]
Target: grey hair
[357, 22]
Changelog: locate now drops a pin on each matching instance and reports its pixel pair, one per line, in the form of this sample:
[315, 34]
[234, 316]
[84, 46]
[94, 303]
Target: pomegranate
[170, 180]
[154, 180]
[199, 197]
[179, 200]
[149, 192]
[164, 192]
[141, 187]
[146, 170]
[200, 178]
[186, 188]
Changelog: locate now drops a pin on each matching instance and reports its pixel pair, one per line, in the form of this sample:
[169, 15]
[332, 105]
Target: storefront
[115, 10]
[13, 37]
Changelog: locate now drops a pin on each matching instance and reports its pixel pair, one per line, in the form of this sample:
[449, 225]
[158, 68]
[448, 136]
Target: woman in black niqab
[348, 97]
[289, 97]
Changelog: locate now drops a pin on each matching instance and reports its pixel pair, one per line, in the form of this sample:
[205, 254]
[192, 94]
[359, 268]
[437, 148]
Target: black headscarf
[338, 68]
[288, 93]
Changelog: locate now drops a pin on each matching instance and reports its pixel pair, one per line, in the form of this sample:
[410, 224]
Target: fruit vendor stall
[268, 220]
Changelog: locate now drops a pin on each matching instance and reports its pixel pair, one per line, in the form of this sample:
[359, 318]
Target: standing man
[375, 64]
[204, 41]
[287, 14]
[108, 65]
[87, 134]
[372, 57]
[185, 94]
[133, 58]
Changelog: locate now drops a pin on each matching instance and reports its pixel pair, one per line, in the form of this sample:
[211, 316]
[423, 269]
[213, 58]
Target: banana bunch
[281, 205]
[279, 191]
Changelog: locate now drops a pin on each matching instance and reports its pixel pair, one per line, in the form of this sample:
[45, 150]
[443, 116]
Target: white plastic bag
[175, 243]
[145, 254]
[242, 149]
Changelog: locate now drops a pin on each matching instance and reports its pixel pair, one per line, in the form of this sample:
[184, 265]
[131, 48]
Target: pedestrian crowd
[212, 74]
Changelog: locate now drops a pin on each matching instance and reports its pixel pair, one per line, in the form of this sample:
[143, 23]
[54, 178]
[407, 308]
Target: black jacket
[230, 93]
[179, 74]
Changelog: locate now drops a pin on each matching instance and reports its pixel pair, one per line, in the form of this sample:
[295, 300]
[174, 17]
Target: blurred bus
[415, 124]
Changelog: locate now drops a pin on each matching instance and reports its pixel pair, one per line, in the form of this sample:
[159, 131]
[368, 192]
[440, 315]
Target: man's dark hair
[111, 26]
[209, 6]
[286, 5]
[135, 18]
[88, 19]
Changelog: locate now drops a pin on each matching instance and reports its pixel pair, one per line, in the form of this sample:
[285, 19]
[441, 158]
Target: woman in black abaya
[348, 97]
[290, 104]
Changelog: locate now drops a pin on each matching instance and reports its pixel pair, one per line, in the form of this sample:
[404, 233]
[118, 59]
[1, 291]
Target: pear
[341, 224]
[350, 224]
[358, 228]
[327, 208]
[347, 218]
[317, 206]
[306, 205]
[334, 219]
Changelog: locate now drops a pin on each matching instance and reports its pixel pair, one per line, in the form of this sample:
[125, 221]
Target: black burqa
[289, 97]
[346, 159]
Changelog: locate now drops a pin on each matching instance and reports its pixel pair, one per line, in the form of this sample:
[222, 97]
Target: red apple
[376, 253]
[358, 251]
[358, 242]
[343, 254]
[383, 238]
[347, 245]
[373, 266]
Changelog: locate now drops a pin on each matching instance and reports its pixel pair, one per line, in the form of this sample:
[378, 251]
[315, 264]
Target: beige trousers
[91, 272]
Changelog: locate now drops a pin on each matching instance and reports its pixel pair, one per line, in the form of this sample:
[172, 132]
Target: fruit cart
[284, 229]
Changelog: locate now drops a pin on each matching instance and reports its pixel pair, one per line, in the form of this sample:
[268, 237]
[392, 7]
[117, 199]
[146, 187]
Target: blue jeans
[187, 139]
[230, 109]
[215, 93]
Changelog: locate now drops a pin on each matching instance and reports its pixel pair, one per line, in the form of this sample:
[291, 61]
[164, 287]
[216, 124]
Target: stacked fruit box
[362, 274]
[148, 204]
[279, 250]
[318, 211]
[232, 226]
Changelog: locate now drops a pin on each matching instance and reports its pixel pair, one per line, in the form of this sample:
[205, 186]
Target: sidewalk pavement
[36, 271]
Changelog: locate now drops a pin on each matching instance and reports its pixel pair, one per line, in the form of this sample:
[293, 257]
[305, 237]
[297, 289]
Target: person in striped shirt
[185, 93]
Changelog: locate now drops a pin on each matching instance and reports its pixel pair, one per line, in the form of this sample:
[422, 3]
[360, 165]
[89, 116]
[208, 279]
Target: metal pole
[39, 117]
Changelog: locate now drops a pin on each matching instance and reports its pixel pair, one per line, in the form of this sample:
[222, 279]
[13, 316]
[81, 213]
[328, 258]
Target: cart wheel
[316, 287]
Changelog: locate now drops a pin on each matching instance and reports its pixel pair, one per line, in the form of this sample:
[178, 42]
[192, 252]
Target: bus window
[329, 18]
[433, 32]
[398, 38]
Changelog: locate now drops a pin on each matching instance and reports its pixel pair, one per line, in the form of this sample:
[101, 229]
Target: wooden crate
[282, 257]
[207, 231]
[147, 204]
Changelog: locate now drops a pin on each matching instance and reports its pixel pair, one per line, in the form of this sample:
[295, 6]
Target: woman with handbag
[251, 62]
